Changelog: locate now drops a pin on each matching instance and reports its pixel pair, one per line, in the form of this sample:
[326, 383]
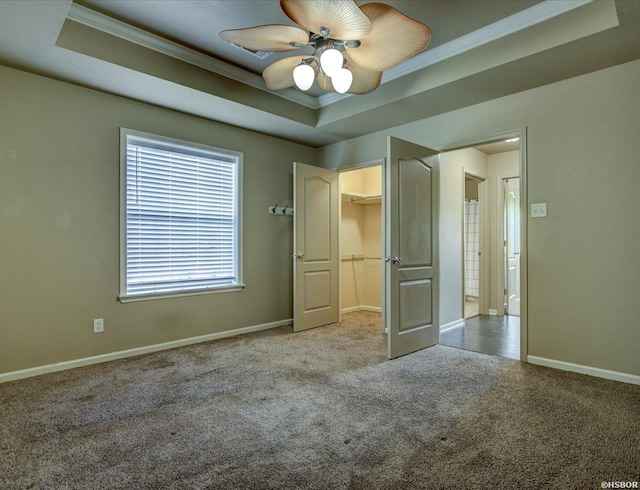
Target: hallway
[494, 335]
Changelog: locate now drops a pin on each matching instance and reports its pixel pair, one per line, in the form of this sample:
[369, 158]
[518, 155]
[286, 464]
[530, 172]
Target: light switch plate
[539, 210]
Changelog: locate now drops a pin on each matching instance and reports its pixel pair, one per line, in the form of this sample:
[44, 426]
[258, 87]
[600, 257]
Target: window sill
[153, 296]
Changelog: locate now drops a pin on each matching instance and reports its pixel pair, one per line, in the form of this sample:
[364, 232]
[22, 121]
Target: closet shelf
[358, 198]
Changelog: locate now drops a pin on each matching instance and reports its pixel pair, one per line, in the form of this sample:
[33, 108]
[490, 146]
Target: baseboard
[493, 312]
[375, 309]
[591, 371]
[451, 325]
[87, 361]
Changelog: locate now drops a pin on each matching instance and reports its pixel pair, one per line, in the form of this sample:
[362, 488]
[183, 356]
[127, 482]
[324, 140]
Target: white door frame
[522, 134]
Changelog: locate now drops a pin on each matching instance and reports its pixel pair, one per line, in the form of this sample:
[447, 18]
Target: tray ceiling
[167, 52]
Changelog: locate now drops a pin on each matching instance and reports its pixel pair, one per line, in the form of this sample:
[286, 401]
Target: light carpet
[320, 409]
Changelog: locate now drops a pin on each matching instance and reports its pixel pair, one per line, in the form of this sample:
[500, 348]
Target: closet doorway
[411, 282]
[361, 242]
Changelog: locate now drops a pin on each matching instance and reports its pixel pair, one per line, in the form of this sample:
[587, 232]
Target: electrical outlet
[539, 210]
[98, 325]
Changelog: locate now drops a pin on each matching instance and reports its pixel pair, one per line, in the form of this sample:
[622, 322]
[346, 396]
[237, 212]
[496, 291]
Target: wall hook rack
[281, 210]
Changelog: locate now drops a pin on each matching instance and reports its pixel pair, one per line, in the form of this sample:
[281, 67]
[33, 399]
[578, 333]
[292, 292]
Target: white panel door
[315, 246]
[512, 245]
[411, 223]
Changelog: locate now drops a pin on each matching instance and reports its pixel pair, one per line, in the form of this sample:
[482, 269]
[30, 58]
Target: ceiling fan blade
[267, 38]
[364, 81]
[343, 17]
[393, 39]
[279, 75]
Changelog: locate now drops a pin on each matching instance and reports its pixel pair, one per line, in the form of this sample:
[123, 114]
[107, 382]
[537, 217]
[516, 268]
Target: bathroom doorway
[472, 247]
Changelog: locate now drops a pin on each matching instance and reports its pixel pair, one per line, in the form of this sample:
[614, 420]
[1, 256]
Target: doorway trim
[524, 224]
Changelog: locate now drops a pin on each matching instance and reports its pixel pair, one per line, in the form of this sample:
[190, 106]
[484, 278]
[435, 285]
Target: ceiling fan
[352, 45]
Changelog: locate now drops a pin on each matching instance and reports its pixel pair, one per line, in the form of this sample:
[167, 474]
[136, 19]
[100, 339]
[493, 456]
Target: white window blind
[182, 217]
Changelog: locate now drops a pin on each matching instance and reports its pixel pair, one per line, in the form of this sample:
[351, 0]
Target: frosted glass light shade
[331, 61]
[303, 76]
[342, 80]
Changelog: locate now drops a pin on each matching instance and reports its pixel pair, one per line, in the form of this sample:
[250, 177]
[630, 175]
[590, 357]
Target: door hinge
[505, 243]
[506, 292]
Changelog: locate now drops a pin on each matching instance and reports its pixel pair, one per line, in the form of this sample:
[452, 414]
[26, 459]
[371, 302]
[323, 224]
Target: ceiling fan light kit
[331, 61]
[342, 80]
[304, 75]
[352, 45]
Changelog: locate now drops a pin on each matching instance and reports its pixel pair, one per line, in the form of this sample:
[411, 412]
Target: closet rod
[348, 257]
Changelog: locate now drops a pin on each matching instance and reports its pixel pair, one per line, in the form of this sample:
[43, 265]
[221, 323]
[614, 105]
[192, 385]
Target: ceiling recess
[258, 54]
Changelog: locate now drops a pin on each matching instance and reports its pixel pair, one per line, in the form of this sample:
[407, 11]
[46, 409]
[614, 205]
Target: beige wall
[471, 189]
[351, 242]
[59, 243]
[59, 217]
[373, 254]
[504, 165]
[582, 161]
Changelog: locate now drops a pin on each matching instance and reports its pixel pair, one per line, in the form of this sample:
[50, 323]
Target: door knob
[396, 259]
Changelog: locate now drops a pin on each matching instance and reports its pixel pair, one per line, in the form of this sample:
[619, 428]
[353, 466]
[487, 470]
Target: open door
[315, 246]
[411, 223]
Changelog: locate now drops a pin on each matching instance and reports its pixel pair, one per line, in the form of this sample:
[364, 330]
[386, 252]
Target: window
[180, 218]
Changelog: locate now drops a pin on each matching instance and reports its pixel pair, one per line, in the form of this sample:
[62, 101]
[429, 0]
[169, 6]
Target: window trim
[123, 297]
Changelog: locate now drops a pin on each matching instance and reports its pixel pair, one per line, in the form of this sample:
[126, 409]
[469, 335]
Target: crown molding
[122, 30]
[540, 12]
[526, 18]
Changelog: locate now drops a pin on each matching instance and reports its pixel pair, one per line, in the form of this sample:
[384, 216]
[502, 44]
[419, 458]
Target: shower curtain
[471, 248]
